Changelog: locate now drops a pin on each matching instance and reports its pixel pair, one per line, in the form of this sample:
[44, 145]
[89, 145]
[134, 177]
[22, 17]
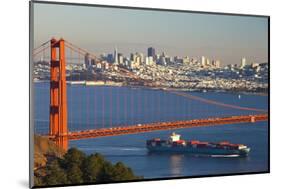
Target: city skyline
[223, 37]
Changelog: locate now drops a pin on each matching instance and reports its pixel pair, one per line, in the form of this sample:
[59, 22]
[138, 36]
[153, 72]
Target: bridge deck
[124, 130]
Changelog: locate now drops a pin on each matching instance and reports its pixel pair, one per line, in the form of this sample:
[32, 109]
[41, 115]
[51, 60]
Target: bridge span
[141, 128]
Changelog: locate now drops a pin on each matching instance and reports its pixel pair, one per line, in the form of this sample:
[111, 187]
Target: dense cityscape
[161, 71]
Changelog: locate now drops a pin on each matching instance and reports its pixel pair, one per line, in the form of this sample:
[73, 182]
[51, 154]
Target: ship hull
[203, 151]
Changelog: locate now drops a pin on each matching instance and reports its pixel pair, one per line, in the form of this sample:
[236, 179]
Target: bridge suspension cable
[43, 44]
[79, 49]
[41, 50]
[186, 95]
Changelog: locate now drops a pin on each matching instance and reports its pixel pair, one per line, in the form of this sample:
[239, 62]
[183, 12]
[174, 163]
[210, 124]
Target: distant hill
[45, 149]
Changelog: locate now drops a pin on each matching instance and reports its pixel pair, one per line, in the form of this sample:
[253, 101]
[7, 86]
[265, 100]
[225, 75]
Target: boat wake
[110, 149]
[225, 156]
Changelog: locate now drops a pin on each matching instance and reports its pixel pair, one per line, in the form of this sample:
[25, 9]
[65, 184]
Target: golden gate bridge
[58, 107]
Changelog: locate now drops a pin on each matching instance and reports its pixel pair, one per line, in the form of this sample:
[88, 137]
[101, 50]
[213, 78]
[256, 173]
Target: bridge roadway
[133, 129]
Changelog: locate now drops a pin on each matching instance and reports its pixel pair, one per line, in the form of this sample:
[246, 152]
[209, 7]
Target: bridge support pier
[58, 97]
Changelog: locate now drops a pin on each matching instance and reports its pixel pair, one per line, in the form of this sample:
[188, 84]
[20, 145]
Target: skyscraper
[87, 61]
[203, 60]
[120, 58]
[115, 56]
[151, 52]
[243, 63]
[110, 58]
[207, 61]
[132, 57]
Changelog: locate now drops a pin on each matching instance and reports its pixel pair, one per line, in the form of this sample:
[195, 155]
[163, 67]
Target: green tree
[121, 172]
[91, 167]
[74, 174]
[54, 174]
[105, 173]
[73, 157]
[71, 163]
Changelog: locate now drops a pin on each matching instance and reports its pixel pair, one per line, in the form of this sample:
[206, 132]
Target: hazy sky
[99, 30]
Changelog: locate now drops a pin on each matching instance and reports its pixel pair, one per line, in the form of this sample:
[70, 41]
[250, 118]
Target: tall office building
[243, 63]
[151, 52]
[120, 58]
[132, 57]
[207, 61]
[110, 58]
[115, 56]
[162, 59]
[203, 60]
[87, 61]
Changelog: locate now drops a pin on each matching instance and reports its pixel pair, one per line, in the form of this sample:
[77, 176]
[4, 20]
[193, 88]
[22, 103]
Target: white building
[243, 63]
[149, 60]
[217, 64]
[115, 56]
[203, 60]
[208, 62]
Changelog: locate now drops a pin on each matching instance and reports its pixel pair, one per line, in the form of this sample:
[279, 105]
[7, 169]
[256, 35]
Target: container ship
[176, 145]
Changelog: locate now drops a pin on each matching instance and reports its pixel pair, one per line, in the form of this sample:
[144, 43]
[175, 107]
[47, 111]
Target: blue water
[100, 107]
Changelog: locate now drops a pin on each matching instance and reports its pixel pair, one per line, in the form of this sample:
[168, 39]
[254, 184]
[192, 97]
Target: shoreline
[161, 88]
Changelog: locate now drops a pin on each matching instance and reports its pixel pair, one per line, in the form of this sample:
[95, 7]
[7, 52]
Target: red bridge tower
[58, 97]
